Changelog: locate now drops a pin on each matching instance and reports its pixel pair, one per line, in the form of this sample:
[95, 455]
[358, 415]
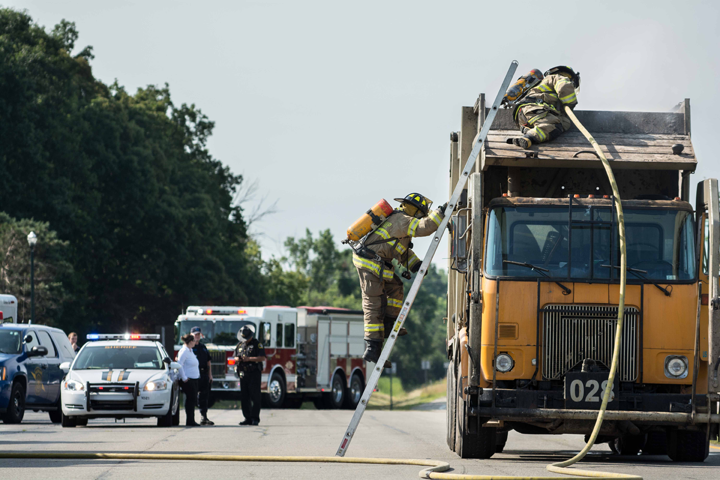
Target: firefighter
[382, 290]
[205, 382]
[249, 355]
[540, 111]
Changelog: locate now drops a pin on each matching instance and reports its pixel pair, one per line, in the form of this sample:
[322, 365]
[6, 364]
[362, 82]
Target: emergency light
[123, 336]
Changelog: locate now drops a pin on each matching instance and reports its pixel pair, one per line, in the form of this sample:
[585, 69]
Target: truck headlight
[74, 385]
[676, 366]
[504, 363]
[155, 385]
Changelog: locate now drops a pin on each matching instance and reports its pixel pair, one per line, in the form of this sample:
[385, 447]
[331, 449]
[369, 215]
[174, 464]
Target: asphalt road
[403, 434]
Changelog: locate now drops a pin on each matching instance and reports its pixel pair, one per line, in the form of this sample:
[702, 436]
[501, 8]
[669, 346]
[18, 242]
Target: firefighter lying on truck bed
[538, 104]
[382, 290]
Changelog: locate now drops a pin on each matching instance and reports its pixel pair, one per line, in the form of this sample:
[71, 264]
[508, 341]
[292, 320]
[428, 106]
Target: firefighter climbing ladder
[377, 370]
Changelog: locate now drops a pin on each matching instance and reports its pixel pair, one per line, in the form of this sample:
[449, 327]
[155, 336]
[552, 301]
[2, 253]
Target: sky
[331, 106]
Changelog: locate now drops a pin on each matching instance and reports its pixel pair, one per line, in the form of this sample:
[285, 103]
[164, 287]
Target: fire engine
[313, 353]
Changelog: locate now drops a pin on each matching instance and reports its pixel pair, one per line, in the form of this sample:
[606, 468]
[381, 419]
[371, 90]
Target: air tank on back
[369, 220]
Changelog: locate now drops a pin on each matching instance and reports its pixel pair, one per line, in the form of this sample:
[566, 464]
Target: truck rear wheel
[656, 444]
[354, 393]
[500, 441]
[336, 397]
[687, 446]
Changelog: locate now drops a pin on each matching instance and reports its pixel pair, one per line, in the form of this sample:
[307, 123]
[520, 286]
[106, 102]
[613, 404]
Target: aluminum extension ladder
[407, 304]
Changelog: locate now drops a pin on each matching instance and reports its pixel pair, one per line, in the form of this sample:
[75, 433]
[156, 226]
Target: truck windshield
[659, 242]
[220, 332]
[10, 341]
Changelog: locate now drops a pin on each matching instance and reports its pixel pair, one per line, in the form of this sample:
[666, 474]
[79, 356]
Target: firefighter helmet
[418, 201]
[562, 70]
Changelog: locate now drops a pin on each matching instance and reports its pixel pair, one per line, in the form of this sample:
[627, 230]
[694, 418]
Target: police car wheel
[81, 421]
[167, 419]
[68, 422]
[16, 407]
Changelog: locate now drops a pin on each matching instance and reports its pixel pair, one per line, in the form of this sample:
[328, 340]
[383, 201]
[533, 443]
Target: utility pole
[32, 240]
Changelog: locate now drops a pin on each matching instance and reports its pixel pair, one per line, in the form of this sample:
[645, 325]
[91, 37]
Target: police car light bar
[123, 336]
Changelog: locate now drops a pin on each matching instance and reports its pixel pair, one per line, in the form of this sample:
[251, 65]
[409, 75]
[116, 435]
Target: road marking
[714, 447]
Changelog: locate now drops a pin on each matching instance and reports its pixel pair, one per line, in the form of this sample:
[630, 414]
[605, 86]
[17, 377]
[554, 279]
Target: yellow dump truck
[533, 291]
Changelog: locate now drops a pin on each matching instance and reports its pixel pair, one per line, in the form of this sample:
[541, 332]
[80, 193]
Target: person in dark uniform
[249, 355]
[203, 356]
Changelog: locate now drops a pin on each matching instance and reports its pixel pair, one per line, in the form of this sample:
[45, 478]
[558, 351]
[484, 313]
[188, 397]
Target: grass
[403, 400]
[380, 400]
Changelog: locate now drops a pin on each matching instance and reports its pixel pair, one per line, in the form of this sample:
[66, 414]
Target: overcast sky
[334, 105]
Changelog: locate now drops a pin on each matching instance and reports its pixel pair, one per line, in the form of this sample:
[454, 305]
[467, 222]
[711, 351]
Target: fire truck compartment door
[323, 356]
[356, 345]
[339, 338]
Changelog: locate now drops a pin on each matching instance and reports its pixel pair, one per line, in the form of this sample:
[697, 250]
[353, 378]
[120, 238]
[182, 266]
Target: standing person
[205, 382]
[382, 290]
[189, 373]
[539, 112]
[249, 355]
[72, 336]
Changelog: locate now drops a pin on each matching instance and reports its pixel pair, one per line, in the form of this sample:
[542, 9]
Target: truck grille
[218, 363]
[572, 333]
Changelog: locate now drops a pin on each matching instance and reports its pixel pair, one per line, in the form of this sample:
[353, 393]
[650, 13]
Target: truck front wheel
[687, 446]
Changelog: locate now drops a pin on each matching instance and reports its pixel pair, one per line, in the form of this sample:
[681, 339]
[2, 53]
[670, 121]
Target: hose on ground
[436, 469]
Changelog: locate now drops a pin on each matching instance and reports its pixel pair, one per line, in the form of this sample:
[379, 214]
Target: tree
[51, 268]
[126, 179]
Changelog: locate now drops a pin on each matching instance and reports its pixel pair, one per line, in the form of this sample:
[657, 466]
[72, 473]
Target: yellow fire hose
[435, 467]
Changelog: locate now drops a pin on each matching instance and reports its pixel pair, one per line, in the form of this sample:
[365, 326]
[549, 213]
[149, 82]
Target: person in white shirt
[189, 374]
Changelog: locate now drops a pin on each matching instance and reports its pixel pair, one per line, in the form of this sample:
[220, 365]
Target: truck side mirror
[37, 351]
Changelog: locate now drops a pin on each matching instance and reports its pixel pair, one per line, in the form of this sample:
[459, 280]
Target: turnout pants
[381, 302]
[190, 388]
[203, 392]
[541, 124]
[250, 394]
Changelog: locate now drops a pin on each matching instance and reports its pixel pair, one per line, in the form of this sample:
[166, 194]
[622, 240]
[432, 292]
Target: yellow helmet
[420, 202]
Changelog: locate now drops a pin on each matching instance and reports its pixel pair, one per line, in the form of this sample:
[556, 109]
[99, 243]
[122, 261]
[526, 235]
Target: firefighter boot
[522, 142]
[373, 349]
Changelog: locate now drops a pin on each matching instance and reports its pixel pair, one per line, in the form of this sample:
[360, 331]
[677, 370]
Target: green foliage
[51, 267]
[126, 180]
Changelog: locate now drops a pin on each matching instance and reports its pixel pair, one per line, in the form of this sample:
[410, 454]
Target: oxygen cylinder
[369, 220]
[522, 85]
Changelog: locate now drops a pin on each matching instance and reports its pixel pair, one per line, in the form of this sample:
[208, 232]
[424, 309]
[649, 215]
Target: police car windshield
[10, 341]
[119, 357]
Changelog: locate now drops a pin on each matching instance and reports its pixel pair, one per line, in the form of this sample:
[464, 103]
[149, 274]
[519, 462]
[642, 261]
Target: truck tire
[336, 396]
[320, 403]
[687, 446]
[628, 444]
[467, 445]
[500, 441]
[276, 391]
[656, 444]
[450, 410]
[16, 407]
[354, 393]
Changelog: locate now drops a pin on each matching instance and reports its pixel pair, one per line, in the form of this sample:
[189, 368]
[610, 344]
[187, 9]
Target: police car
[121, 376]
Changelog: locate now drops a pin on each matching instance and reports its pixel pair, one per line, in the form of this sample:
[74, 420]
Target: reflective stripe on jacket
[401, 227]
